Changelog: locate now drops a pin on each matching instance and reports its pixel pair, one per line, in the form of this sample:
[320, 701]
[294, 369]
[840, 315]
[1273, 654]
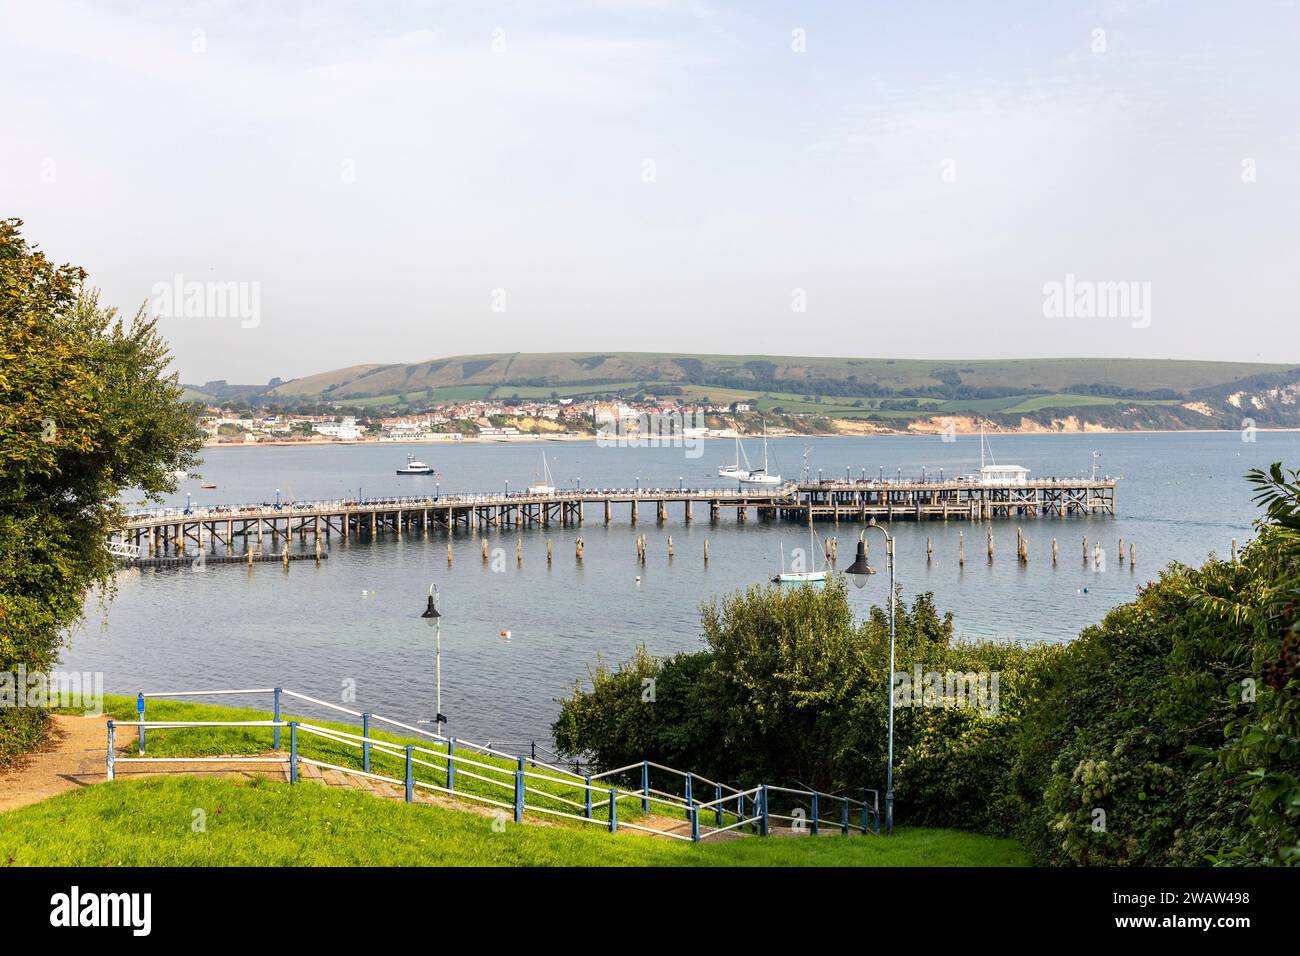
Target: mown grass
[155, 822]
[492, 780]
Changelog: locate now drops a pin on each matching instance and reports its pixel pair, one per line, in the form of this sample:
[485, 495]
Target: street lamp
[507, 487]
[434, 616]
[858, 572]
[680, 481]
[277, 499]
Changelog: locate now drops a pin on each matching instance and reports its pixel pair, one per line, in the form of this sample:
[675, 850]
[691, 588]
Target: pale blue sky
[920, 172]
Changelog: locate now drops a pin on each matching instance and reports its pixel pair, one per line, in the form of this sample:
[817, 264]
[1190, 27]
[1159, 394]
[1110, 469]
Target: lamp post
[277, 499]
[507, 487]
[858, 573]
[434, 616]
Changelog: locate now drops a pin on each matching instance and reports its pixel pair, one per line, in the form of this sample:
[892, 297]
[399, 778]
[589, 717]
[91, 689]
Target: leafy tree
[87, 410]
[792, 690]
[1262, 752]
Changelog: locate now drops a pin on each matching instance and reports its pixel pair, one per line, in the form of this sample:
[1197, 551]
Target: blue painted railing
[751, 808]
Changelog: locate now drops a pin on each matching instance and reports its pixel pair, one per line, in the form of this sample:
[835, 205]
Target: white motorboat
[415, 467]
[760, 476]
[545, 486]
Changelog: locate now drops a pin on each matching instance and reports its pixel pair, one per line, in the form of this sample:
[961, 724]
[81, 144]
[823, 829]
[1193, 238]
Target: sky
[327, 184]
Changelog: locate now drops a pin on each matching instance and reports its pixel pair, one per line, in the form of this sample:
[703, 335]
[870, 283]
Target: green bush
[792, 691]
[1168, 734]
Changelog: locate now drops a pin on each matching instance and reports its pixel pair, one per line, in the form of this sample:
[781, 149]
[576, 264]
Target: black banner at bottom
[139, 904]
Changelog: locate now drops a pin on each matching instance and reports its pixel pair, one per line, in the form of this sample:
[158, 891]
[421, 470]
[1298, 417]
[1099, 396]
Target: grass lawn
[265, 822]
[491, 777]
[260, 823]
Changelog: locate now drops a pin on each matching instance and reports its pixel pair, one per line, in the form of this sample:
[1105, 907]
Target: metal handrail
[448, 759]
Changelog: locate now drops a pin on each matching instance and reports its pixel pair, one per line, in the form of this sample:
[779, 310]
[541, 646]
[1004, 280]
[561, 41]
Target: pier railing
[460, 498]
[486, 775]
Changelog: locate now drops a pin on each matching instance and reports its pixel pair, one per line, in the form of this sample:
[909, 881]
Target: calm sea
[355, 618]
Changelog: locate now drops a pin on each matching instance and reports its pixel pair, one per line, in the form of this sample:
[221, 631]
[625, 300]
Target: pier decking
[173, 531]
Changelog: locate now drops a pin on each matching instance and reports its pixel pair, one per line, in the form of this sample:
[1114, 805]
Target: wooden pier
[241, 528]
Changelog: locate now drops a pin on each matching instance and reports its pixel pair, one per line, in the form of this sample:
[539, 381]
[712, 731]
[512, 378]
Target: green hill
[887, 393]
[818, 376]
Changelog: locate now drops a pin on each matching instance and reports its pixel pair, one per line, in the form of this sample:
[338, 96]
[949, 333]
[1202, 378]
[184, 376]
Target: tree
[87, 411]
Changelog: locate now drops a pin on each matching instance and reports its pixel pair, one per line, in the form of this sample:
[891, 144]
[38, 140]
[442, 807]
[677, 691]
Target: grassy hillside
[765, 373]
[260, 823]
[809, 393]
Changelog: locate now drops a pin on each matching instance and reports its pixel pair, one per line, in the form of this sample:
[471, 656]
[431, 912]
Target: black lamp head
[859, 570]
[432, 609]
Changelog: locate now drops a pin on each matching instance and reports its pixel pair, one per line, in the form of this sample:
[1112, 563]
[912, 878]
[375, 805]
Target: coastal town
[485, 420]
